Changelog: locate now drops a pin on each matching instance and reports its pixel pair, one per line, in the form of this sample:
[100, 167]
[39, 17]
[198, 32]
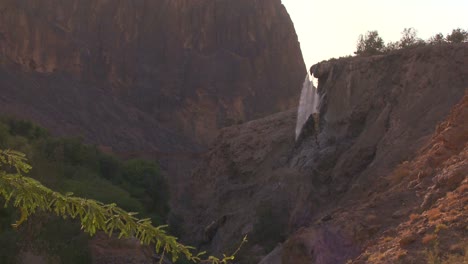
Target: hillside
[68, 166]
[336, 194]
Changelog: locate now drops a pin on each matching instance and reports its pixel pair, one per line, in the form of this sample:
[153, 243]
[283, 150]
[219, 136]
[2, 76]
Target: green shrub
[31, 198]
[25, 128]
[410, 38]
[102, 190]
[391, 46]
[68, 165]
[64, 240]
[457, 36]
[145, 177]
[437, 39]
[370, 44]
[77, 153]
[110, 168]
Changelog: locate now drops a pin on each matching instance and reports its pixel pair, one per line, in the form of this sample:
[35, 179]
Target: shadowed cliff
[152, 78]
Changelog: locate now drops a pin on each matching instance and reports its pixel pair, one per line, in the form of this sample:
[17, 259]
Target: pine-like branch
[30, 196]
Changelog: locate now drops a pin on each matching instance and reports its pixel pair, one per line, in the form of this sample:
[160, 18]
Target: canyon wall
[146, 75]
[334, 191]
[151, 78]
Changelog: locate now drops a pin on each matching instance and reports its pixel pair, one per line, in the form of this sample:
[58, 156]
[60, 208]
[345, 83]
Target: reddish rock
[127, 72]
[154, 78]
[377, 114]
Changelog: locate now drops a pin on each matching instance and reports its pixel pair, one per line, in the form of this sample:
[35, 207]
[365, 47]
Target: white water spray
[308, 104]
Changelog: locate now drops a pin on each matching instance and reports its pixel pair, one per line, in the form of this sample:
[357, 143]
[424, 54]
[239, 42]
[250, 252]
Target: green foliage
[63, 239]
[4, 135]
[391, 46]
[370, 44]
[457, 36]
[145, 178]
[410, 38]
[76, 153]
[31, 197]
[437, 39]
[109, 167]
[9, 237]
[102, 190]
[25, 129]
[67, 165]
[75, 167]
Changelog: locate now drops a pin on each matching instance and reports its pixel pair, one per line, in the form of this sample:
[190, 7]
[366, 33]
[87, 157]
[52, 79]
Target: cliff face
[186, 66]
[246, 166]
[147, 77]
[346, 187]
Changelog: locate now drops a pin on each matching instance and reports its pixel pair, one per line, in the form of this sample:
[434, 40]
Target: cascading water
[308, 104]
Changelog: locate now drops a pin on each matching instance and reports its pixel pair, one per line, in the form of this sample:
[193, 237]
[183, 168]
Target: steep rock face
[189, 66]
[376, 113]
[242, 170]
[416, 214]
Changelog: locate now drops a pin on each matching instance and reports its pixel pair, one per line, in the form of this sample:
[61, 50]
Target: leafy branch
[30, 196]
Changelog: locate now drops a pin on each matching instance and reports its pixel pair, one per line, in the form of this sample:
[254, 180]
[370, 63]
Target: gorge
[352, 184]
[212, 91]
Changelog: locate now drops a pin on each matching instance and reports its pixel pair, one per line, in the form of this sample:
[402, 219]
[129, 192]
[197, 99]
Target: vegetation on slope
[371, 43]
[67, 165]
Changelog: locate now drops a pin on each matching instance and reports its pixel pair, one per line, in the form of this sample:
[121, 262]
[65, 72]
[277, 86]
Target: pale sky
[330, 28]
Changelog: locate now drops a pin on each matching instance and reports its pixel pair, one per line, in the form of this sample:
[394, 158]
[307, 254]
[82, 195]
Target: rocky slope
[343, 192]
[144, 75]
[432, 222]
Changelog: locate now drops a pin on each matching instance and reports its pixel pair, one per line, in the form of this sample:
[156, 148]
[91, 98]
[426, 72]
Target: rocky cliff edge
[370, 186]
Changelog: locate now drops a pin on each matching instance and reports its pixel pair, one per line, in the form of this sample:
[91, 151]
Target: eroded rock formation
[337, 189]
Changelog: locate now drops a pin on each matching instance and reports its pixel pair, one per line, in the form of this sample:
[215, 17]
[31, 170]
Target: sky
[330, 28]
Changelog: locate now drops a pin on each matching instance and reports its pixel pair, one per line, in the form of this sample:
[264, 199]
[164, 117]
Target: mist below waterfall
[308, 104]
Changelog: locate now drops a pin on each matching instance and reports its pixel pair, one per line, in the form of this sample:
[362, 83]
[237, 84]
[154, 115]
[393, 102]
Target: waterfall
[308, 104]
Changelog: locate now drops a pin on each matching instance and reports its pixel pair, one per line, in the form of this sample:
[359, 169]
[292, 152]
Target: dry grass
[440, 227]
[401, 172]
[429, 239]
[433, 258]
[456, 259]
[463, 188]
[413, 217]
[407, 239]
[387, 239]
[433, 214]
[436, 257]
